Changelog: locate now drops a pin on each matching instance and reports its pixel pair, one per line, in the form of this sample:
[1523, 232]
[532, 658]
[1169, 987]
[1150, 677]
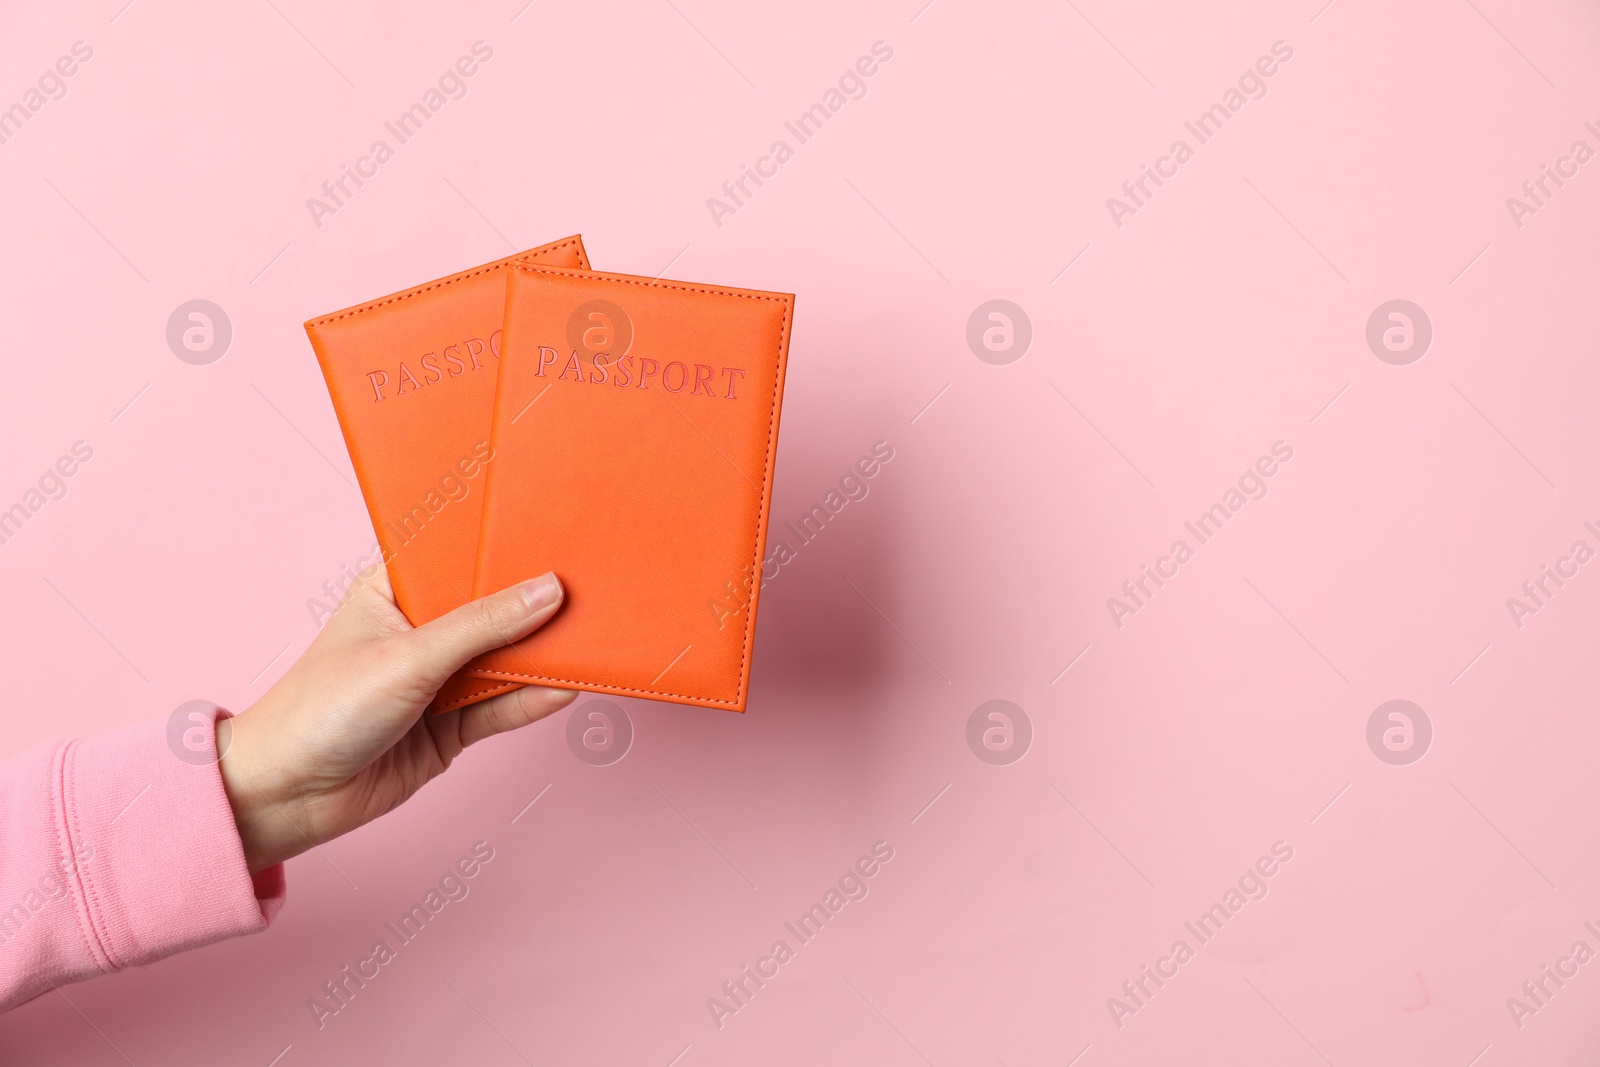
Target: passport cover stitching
[475, 697]
[409, 293]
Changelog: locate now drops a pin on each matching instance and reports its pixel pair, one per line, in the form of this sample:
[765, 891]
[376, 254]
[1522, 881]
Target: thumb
[440, 648]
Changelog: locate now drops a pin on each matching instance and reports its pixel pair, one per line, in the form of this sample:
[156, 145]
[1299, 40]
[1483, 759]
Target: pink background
[1228, 714]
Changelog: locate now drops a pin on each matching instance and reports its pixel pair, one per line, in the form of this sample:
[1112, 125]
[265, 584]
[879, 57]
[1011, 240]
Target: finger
[376, 577]
[438, 649]
[367, 608]
[511, 711]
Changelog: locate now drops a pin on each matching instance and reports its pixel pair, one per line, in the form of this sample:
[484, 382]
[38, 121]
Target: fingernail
[541, 592]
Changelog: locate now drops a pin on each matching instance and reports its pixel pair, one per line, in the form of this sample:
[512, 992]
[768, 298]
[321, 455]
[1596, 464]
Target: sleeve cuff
[146, 826]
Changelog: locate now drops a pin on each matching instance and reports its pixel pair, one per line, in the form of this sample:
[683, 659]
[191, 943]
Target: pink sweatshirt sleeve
[118, 850]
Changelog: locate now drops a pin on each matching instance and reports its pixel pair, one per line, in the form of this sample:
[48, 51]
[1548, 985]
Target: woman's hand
[342, 737]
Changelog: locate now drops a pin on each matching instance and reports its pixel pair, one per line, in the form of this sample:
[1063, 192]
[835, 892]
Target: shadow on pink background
[1174, 344]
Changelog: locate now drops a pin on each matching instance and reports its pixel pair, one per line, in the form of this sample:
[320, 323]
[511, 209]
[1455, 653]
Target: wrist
[260, 808]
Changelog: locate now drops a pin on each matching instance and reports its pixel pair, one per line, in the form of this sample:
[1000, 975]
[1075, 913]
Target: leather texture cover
[412, 377]
[635, 430]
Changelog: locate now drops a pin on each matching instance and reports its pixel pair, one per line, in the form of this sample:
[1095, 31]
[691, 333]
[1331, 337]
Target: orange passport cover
[412, 378]
[635, 428]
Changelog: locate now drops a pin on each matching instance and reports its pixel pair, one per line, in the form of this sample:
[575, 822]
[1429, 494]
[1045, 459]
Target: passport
[634, 433]
[412, 379]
